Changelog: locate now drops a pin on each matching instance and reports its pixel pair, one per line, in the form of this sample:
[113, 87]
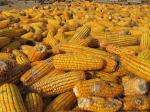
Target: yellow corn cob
[82, 32]
[11, 33]
[139, 67]
[107, 77]
[21, 58]
[26, 49]
[84, 42]
[66, 15]
[136, 103]
[74, 48]
[135, 86]
[4, 41]
[4, 23]
[34, 102]
[77, 62]
[13, 45]
[131, 49]
[6, 56]
[50, 74]
[37, 72]
[145, 40]
[69, 33]
[37, 53]
[10, 99]
[71, 48]
[37, 33]
[77, 109]
[28, 35]
[98, 104]
[51, 29]
[64, 101]
[119, 41]
[145, 54]
[50, 40]
[97, 87]
[59, 83]
[60, 36]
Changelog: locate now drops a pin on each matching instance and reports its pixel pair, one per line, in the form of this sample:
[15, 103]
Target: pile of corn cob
[75, 57]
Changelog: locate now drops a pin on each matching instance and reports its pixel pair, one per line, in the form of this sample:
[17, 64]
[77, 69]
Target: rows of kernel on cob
[75, 57]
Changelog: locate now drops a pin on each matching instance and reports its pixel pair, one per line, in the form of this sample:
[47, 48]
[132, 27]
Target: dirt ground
[18, 4]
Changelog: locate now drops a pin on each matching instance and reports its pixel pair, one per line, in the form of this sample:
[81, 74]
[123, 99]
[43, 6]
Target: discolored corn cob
[13, 76]
[136, 103]
[98, 104]
[145, 54]
[28, 35]
[11, 33]
[119, 41]
[139, 67]
[6, 56]
[37, 53]
[26, 49]
[107, 76]
[13, 45]
[97, 87]
[50, 40]
[145, 40]
[34, 102]
[4, 23]
[37, 72]
[4, 41]
[64, 101]
[21, 58]
[77, 62]
[59, 83]
[37, 33]
[82, 32]
[5, 66]
[10, 99]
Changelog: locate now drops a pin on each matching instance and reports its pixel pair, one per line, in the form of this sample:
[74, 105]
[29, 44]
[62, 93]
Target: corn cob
[37, 33]
[98, 104]
[97, 87]
[4, 23]
[135, 86]
[107, 76]
[59, 83]
[11, 33]
[60, 36]
[13, 76]
[139, 67]
[21, 58]
[50, 74]
[6, 56]
[82, 32]
[4, 41]
[52, 29]
[77, 62]
[145, 40]
[145, 54]
[131, 49]
[111, 64]
[84, 42]
[69, 33]
[5, 66]
[34, 102]
[50, 40]
[28, 35]
[37, 53]
[13, 45]
[64, 101]
[119, 41]
[37, 72]
[26, 49]
[136, 103]
[77, 109]
[10, 99]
